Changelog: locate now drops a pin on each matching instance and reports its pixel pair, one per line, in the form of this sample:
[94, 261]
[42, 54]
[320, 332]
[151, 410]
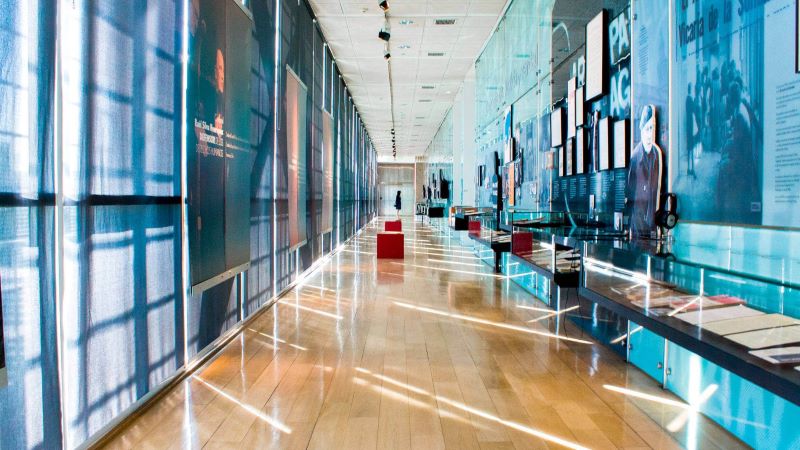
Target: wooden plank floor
[430, 352]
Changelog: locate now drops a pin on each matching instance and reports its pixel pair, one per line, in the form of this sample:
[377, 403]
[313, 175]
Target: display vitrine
[745, 324]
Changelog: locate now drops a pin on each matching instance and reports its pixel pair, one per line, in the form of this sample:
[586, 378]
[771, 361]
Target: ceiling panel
[351, 28]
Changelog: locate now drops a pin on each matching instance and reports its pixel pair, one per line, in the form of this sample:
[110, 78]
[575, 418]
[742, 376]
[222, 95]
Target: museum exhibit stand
[489, 242]
[697, 329]
[708, 313]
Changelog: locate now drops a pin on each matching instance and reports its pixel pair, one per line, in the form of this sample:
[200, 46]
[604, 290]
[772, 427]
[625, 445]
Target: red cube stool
[474, 228]
[390, 245]
[393, 225]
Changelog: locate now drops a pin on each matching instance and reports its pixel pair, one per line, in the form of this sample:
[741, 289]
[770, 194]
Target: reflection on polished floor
[433, 351]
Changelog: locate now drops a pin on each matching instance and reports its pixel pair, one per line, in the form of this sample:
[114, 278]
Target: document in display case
[781, 355]
[716, 314]
[745, 324]
[770, 337]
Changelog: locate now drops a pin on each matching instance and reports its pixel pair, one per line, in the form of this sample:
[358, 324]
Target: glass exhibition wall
[713, 82]
[439, 163]
[97, 284]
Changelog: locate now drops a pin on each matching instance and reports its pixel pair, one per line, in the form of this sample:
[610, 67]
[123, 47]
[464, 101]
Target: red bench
[393, 225]
[390, 245]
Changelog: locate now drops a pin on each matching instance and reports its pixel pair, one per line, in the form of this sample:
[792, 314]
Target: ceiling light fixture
[384, 5]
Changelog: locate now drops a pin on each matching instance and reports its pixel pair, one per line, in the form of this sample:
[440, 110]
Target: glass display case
[460, 216]
[490, 242]
[745, 324]
[533, 219]
[550, 242]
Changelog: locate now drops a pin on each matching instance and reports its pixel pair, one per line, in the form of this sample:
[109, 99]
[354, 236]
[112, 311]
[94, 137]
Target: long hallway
[433, 351]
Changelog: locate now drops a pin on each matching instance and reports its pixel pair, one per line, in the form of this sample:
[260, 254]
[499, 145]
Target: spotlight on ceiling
[384, 5]
[386, 55]
[384, 35]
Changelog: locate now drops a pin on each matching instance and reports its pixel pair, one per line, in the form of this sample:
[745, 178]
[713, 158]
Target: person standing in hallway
[398, 205]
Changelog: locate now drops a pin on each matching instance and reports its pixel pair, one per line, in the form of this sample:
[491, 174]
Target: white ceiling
[351, 29]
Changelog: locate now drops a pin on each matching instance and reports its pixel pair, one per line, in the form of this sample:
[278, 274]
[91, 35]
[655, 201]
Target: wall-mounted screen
[327, 172]
[604, 143]
[621, 143]
[557, 127]
[596, 56]
[571, 107]
[296, 105]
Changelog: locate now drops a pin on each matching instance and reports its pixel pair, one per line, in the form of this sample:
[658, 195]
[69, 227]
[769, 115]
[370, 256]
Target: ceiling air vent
[435, 53]
[428, 86]
[445, 21]
[427, 100]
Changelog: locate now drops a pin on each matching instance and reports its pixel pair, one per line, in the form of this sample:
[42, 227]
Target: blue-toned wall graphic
[734, 97]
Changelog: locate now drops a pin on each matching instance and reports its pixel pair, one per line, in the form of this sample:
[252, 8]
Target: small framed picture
[604, 144]
[580, 151]
[621, 143]
[570, 155]
[550, 160]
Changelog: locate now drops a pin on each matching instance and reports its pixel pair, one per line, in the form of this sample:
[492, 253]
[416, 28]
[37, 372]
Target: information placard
[557, 128]
[604, 144]
[571, 106]
[596, 56]
[621, 146]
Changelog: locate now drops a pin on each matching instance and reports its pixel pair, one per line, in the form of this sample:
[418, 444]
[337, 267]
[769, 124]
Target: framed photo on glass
[604, 143]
